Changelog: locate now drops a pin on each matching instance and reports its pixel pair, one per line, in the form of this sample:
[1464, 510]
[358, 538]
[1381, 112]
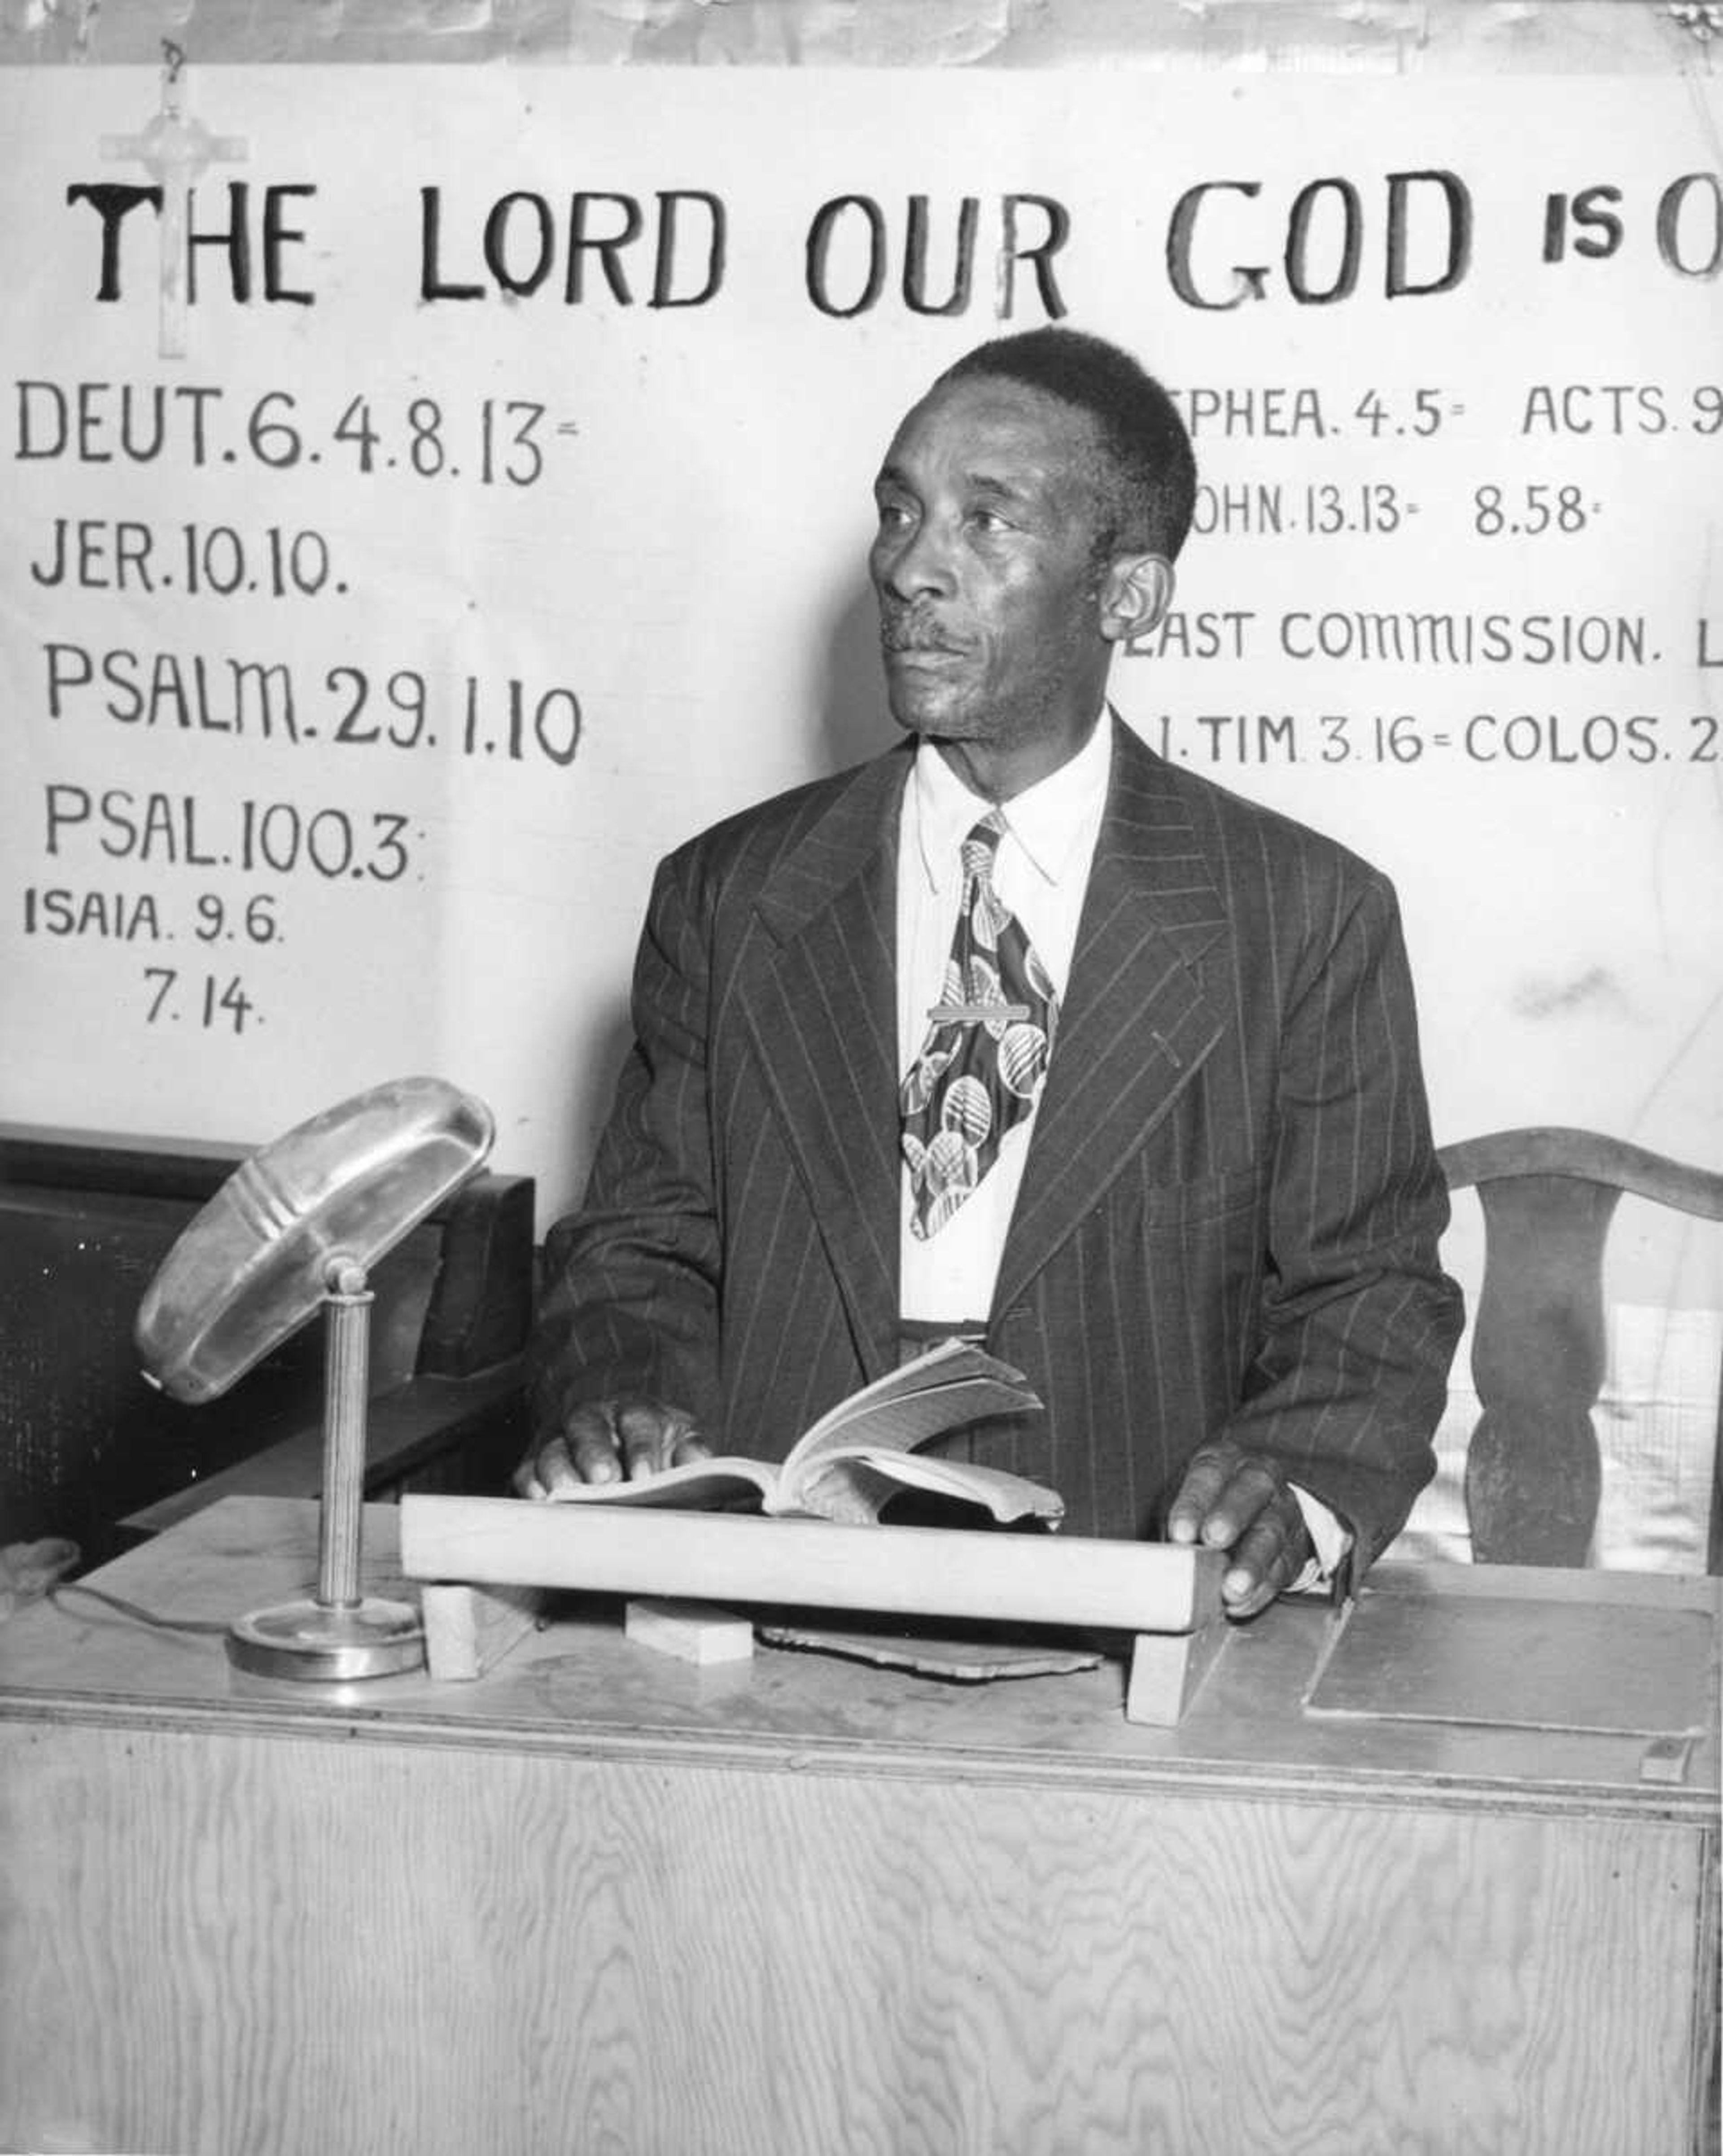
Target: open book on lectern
[864, 1451]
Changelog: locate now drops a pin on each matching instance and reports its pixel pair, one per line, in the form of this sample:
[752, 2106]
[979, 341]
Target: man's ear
[1135, 591]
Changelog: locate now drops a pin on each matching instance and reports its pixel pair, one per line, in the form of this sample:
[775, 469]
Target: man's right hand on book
[626, 1440]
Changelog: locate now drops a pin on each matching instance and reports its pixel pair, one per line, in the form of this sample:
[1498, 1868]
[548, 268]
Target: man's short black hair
[1150, 485]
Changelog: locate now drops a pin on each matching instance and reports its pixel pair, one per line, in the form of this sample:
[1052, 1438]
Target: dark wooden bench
[88, 1451]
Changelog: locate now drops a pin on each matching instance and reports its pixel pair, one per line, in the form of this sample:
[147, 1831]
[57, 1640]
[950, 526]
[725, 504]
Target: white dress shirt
[1041, 872]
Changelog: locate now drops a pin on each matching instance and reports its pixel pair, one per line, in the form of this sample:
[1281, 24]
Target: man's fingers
[610, 1441]
[633, 1439]
[1268, 1557]
[1237, 1502]
[646, 1432]
[1249, 1488]
[549, 1472]
[1205, 1478]
[654, 1437]
[591, 1446]
[1224, 1490]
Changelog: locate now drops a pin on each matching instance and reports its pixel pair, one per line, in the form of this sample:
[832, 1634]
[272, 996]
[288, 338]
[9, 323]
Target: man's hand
[1237, 1501]
[611, 1441]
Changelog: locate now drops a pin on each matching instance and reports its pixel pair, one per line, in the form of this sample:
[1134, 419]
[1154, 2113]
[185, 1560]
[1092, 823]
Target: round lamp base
[320, 1644]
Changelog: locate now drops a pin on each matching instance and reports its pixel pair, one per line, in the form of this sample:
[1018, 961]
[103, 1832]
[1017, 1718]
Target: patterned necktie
[981, 1068]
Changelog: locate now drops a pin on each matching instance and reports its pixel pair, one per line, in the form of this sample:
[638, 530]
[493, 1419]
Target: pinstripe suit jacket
[1227, 1220]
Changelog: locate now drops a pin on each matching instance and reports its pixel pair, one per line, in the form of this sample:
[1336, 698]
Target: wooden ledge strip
[727, 1557]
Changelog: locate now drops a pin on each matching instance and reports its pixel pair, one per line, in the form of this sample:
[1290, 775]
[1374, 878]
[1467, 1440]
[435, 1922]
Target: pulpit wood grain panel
[241, 1940]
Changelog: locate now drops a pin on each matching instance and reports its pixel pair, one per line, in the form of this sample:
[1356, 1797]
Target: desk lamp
[294, 1229]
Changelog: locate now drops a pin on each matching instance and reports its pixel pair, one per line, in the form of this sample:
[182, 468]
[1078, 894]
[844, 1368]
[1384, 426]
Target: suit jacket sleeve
[631, 1280]
[1358, 1321]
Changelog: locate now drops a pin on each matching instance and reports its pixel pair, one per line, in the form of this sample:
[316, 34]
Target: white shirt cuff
[1329, 1540]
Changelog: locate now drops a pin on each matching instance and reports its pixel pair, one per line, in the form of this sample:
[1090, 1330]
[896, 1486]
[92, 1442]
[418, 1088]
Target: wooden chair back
[1533, 1472]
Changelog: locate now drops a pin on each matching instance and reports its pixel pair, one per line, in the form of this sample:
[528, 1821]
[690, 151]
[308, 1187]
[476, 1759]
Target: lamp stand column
[342, 1634]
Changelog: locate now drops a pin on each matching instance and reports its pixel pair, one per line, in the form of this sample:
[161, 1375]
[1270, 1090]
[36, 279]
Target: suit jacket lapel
[1136, 1023]
[820, 998]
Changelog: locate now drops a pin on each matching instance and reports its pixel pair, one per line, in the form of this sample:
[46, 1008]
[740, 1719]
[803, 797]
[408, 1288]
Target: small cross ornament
[176, 151]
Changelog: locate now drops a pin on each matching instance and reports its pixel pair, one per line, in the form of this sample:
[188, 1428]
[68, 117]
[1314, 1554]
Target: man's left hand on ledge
[1241, 1502]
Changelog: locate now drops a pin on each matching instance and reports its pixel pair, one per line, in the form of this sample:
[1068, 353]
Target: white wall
[688, 565]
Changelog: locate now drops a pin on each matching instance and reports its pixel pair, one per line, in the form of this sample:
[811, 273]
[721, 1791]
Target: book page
[1005, 1496]
[722, 1484]
[850, 1461]
[952, 1384]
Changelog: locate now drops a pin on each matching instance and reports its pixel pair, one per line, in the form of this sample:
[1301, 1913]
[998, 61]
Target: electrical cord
[133, 1610]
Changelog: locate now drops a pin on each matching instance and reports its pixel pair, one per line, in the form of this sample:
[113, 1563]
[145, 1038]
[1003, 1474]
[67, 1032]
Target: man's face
[985, 570]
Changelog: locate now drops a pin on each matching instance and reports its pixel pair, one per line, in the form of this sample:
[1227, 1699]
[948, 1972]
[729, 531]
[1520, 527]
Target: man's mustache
[908, 631]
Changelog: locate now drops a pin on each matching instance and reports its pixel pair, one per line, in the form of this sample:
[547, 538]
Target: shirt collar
[1050, 821]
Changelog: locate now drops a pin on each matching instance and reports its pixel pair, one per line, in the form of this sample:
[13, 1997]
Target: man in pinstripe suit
[1210, 1241]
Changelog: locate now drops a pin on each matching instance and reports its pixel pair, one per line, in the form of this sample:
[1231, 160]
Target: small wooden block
[1168, 1670]
[468, 1630]
[692, 1631]
[1665, 1759]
